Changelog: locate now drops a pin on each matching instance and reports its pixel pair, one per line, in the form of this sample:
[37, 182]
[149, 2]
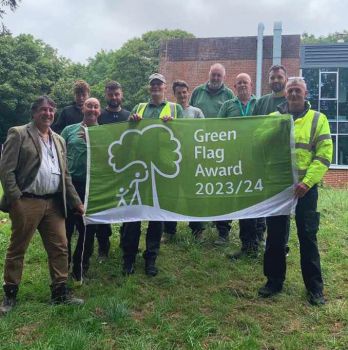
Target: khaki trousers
[47, 217]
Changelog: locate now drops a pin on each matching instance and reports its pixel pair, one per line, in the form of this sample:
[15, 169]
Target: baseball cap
[157, 76]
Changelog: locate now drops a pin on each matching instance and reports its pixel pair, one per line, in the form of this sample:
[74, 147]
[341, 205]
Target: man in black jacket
[72, 114]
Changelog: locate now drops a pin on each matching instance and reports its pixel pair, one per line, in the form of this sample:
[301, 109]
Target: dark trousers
[131, 235]
[170, 227]
[307, 223]
[261, 228]
[248, 234]
[223, 227]
[103, 233]
[85, 241]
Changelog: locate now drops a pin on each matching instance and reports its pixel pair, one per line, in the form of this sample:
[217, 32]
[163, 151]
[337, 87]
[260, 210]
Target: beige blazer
[20, 162]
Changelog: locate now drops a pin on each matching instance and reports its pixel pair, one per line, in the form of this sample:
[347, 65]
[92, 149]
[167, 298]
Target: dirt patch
[28, 333]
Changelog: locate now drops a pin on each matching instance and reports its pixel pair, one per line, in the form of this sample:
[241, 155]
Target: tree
[131, 65]
[330, 38]
[28, 68]
[12, 4]
[62, 91]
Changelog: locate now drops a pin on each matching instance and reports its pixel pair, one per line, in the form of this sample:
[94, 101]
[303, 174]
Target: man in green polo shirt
[157, 107]
[209, 97]
[277, 79]
[243, 105]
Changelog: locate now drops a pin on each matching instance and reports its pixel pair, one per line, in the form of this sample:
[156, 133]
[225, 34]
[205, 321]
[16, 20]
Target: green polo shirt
[210, 101]
[268, 104]
[235, 108]
[76, 152]
[153, 111]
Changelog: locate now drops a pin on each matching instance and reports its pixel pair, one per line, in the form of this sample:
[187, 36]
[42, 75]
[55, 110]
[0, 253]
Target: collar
[153, 104]
[236, 99]
[283, 108]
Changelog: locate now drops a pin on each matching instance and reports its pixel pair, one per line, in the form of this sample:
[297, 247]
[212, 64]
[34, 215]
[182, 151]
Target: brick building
[190, 60]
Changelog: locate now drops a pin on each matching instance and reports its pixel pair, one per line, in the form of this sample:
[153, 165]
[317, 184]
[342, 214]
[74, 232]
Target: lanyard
[48, 147]
[247, 109]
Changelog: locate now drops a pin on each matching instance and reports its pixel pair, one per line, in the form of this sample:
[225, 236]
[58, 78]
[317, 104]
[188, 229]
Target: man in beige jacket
[37, 189]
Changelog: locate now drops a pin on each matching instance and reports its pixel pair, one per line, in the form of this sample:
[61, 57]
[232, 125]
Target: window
[328, 85]
[342, 150]
[328, 93]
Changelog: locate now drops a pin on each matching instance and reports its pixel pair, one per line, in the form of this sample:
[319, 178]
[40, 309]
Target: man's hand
[135, 117]
[167, 118]
[301, 189]
[79, 210]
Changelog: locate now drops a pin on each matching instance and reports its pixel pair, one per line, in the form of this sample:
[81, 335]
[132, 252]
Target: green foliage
[12, 4]
[131, 65]
[29, 68]
[307, 38]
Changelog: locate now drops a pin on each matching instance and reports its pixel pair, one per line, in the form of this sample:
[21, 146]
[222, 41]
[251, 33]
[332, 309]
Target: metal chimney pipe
[259, 59]
[277, 43]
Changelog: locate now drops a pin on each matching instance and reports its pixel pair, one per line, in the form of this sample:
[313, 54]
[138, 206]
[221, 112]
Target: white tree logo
[137, 164]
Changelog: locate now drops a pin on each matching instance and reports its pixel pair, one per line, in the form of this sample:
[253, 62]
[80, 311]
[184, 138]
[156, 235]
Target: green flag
[190, 169]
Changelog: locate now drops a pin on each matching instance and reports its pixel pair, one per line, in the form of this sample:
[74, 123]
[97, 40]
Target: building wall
[190, 59]
[336, 178]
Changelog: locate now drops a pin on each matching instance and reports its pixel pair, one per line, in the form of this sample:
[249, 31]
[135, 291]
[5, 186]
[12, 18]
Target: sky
[78, 29]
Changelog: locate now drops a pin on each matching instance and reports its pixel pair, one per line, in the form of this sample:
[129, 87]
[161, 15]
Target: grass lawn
[199, 300]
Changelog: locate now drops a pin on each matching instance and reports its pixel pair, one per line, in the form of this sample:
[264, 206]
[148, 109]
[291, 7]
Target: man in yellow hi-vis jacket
[157, 107]
[313, 146]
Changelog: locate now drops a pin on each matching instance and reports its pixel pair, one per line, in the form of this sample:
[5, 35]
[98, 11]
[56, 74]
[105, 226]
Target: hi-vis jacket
[168, 110]
[313, 144]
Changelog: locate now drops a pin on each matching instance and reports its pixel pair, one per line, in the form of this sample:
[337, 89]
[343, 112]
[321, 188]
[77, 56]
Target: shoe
[221, 241]
[128, 269]
[239, 254]
[77, 279]
[167, 238]
[150, 267]
[7, 305]
[198, 235]
[316, 299]
[10, 299]
[270, 289]
[61, 295]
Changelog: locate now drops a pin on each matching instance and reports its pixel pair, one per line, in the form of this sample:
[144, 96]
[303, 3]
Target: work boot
[128, 266]
[270, 288]
[150, 267]
[9, 300]
[61, 295]
[221, 241]
[316, 298]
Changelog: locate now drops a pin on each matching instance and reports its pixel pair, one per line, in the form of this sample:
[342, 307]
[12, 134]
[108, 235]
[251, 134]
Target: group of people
[43, 175]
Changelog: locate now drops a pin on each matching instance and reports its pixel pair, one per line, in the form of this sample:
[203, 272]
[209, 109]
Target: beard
[277, 87]
[113, 104]
[215, 85]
